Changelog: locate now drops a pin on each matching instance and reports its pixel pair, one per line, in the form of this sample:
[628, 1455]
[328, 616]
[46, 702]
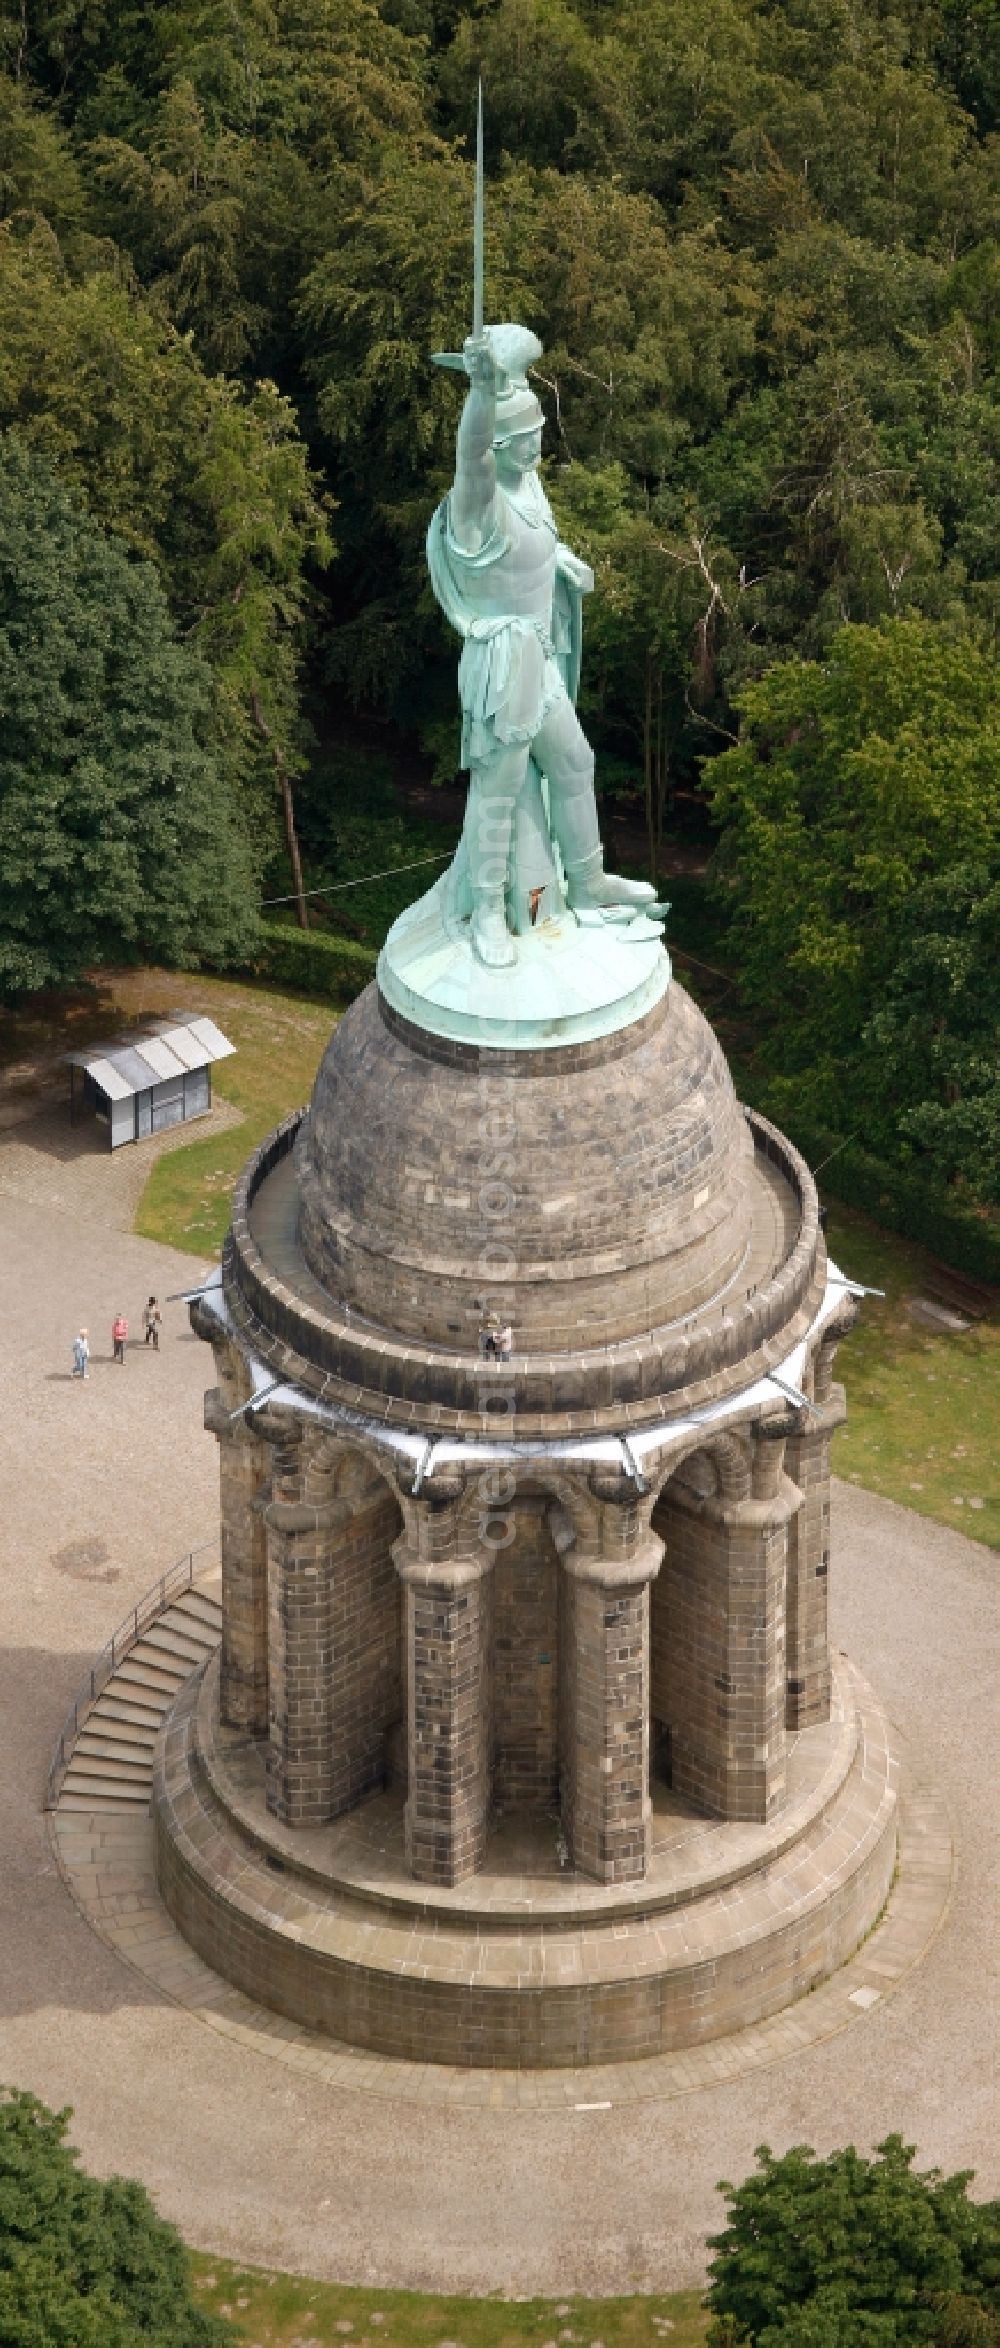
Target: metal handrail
[144, 1613]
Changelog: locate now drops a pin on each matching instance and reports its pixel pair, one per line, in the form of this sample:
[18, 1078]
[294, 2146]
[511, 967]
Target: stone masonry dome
[647, 1240]
[625, 1168]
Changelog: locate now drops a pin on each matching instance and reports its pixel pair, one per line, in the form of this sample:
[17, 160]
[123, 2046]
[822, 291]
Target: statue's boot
[491, 937]
[590, 889]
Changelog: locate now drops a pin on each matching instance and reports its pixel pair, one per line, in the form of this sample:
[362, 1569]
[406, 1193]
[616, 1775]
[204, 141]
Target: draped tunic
[519, 614]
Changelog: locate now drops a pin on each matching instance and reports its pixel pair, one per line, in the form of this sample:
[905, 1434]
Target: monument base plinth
[528, 1964]
[576, 977]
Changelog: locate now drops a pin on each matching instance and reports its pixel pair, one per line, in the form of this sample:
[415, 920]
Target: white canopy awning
[133, 1063]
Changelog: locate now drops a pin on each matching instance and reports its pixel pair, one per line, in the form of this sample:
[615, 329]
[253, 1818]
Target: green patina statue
[514, 593]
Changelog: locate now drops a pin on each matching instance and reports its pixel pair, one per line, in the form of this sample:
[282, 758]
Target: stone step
[137, 1715]
[198, 1606]
[82, 1792]
[99, 1738]
[171, 1648]
[130, 1742]
[93, 1804]
[155, 1684]
[143, 1730]
[189, 1624]
[90, 1762]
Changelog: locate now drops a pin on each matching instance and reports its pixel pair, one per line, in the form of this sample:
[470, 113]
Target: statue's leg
[534, 891]
[564, 754]
[493, 792]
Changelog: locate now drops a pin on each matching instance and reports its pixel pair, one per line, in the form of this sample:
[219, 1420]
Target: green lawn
[286, 2311]
[279, 1040]
[924, 1406]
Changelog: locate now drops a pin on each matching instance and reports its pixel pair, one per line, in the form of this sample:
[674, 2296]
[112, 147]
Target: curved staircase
[110, 1758]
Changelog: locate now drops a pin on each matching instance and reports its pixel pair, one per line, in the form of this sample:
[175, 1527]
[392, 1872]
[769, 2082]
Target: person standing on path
[119, 1336]
[81, 1355]
[151, 1318]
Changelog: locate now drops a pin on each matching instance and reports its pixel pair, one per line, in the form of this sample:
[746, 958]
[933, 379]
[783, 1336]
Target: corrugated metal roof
[188, 1049]
[212, 1037]
[115, 1086]
[162, 1060]
[135, 1063]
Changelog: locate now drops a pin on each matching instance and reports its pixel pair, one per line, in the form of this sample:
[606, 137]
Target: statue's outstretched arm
[475, 467]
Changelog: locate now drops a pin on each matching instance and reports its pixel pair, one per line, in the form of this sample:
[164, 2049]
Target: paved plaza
[341, 2169]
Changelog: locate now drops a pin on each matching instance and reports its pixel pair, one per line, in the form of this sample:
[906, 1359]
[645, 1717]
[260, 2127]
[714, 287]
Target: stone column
[244, 1482]
[807, 1457]
[606, 1804]
[724, 1690]
[300, 1519]
[449, 1710]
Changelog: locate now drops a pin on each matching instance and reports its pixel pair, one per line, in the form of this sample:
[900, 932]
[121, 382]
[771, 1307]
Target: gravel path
[105, 1485]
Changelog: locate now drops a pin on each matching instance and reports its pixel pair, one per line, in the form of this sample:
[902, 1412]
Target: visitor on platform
[119, 1336]
[81, 1355]
[489, 1334]
[151, 1318]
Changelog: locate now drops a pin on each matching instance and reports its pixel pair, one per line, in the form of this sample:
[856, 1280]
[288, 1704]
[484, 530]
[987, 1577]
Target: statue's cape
[488, 673]
[567, 627]
[453, 571]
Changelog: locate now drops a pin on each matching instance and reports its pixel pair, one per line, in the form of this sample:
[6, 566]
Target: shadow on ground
[49, 1957]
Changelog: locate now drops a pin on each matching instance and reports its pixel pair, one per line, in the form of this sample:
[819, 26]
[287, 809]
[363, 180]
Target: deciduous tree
[118, 831]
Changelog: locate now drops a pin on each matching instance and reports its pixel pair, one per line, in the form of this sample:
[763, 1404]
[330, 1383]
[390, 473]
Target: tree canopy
[760, 241]
[849, 2252]
[118, 826]
[85, 2264]
[761, 245]
[861, 859]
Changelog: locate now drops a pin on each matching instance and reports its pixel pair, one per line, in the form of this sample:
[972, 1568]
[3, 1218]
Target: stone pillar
[606, 1805]
[299, 1522]
[807, 1456]
[244, 1482]
[724, 1693]
[448, 1709]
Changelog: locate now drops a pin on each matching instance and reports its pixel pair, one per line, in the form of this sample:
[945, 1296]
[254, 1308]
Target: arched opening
[718, 1633]
[367, 1648]
[526, 1674]
[334, 1645]
[676, 1599]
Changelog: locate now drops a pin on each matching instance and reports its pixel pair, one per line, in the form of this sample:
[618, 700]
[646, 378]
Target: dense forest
[760, 241]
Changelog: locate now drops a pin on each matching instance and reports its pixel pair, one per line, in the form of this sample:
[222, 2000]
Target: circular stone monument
[524, 1744]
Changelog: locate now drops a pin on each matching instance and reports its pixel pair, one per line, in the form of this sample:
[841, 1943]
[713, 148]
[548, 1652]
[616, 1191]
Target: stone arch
[369, 1650]
[334, 1623]
[721, 1468]
[481, 1508]
[530, 1634]
[508, 1513]
[706, 1481]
